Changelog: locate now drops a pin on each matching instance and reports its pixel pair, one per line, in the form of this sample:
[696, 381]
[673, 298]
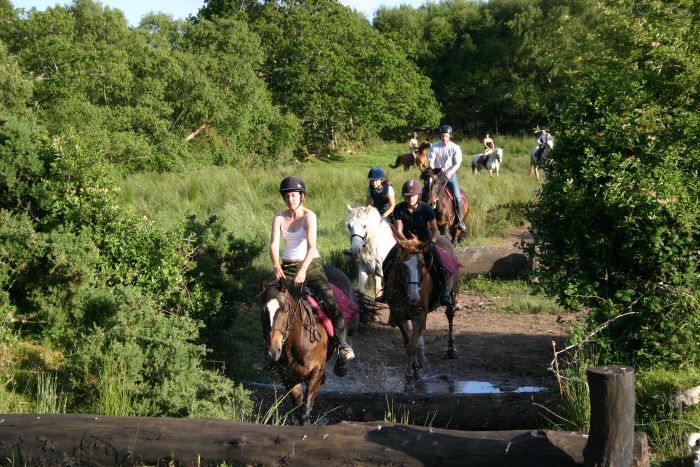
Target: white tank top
[295, 244]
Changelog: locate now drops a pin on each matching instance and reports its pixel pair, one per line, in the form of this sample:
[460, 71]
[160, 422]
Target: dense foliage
[329, 67]
[164, 96]
[122, 300]
[616, 223]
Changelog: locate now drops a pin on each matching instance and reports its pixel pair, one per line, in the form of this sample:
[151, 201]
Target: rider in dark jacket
[413, 216]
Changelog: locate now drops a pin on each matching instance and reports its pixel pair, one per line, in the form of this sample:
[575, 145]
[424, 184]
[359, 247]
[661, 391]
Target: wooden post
[611, 437]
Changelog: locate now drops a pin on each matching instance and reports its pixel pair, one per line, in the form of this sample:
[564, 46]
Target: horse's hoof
[340, 368]
[452, 354]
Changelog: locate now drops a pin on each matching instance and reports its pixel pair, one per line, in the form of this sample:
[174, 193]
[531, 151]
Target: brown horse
[420, 158]
[410, 294]
[437, 195]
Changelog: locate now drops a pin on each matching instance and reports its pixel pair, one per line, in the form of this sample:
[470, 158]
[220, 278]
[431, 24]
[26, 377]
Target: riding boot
[458, 217]
[340, 327]
[440, 277]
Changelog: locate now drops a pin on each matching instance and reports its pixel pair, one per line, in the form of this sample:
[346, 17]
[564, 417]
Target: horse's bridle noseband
[363, 237]
[314, 335]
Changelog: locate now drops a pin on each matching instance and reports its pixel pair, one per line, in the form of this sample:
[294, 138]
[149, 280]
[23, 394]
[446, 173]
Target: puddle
[445, 385]
[436, 385]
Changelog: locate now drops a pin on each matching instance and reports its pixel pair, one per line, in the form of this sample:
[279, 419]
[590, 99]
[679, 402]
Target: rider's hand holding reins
[300, 278]
[279, 272]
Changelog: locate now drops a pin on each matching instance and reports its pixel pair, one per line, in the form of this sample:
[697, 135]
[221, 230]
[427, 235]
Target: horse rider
[489, 146]
[544, 139]
[380, 193]
[413, 144]
[413, 216]
[300, 260]
[447, 156]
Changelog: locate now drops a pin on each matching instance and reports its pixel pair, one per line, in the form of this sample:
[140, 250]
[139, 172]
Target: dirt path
[508, 351]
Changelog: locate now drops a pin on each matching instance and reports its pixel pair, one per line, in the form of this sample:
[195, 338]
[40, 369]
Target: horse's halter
[433, 188]
[361, 237]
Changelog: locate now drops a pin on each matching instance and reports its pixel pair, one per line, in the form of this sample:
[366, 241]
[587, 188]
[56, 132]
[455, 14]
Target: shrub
[106, 287]
[615, 223]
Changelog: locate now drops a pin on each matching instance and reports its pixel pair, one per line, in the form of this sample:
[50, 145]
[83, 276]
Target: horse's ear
[349, 208]
[283, 285]
[263, 284]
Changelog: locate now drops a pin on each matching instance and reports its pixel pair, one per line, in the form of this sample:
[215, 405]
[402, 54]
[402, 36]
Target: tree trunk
[611, 437]
[30, 440]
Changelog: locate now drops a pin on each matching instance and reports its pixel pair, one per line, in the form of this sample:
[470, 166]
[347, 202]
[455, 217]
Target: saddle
[347, 307]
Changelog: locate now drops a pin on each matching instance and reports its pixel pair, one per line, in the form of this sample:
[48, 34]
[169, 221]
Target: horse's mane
[362, 212]
[423, 146]
[273, 289]
[411, 245]
[428, 173]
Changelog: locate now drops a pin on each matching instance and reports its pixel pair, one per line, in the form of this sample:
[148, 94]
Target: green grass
[510, 296]
[247, 200]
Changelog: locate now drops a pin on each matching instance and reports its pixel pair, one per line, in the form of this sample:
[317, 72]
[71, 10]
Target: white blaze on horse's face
[272, 306]
[412, 278]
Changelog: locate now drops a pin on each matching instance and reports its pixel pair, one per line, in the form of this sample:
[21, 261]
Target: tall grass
[246, 200]
[115, 391]
[48, 398]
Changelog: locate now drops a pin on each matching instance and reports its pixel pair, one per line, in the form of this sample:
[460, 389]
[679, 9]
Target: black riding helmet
[445, 129]
[292, 183]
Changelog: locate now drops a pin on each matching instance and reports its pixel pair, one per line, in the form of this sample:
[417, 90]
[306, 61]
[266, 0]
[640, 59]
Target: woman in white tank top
[300, 260]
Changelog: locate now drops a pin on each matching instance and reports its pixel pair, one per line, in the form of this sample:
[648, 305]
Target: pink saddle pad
[347, 307]
[325, 320]
[448, 260]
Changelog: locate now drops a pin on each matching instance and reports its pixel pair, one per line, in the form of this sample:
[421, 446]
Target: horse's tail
[369, 309]
[397, 163]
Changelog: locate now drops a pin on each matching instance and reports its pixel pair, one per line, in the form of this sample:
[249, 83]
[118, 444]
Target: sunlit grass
[510, 296]
[246, 200]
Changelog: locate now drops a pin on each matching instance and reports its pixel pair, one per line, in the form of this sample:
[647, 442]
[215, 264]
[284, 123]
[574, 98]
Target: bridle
[298, 306]
[434, 184]
[362, 237]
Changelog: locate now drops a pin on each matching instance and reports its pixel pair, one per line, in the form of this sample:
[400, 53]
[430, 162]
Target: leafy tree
[325, 64]
[15, 89]
[615, 223]
[163, 96]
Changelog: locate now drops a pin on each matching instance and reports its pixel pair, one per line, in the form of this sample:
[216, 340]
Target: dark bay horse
[410, 294]
[420, 158]
[296, 340]
[437, 195]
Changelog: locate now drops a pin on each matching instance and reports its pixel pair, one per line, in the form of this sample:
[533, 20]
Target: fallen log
[497, 261]
[31, 440]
